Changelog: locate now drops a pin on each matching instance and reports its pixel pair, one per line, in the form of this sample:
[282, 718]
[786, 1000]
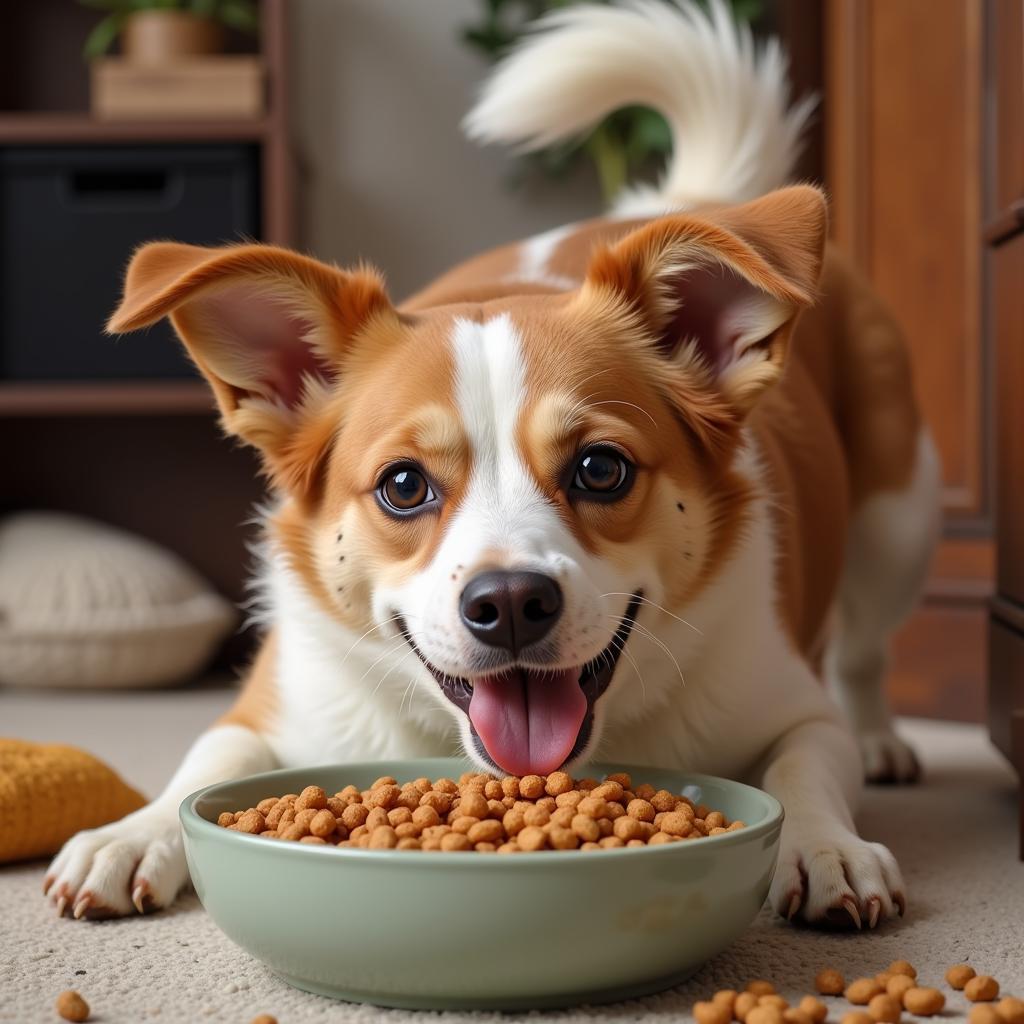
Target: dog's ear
[719, 290]
[268, 328]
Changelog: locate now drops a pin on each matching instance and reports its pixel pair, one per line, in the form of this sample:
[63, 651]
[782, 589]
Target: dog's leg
[892, 536]
[826, 873]
[138, 862]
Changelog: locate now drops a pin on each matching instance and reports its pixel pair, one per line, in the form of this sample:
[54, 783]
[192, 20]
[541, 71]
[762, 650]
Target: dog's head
[506, 484]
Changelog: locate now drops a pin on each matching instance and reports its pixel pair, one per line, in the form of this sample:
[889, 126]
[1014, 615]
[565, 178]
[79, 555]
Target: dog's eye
[405, 488]
[602, 473]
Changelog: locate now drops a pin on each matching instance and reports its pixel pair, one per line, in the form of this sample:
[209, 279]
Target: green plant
[627, 141]
[237, 14]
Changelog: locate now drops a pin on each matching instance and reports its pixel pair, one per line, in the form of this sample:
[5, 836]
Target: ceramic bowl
[477, 931]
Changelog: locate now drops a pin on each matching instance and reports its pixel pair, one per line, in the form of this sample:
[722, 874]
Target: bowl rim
[189, 816]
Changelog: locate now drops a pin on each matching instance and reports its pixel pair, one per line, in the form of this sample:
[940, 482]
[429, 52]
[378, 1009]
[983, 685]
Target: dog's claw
[901, 902]
[851, 908]
[874, 909]
[794, 906]
[139, 894]
[62, 904]
[47, 882]
[81, 907]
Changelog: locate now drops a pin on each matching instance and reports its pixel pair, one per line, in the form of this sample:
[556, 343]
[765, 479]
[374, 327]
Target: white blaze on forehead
[503, 507]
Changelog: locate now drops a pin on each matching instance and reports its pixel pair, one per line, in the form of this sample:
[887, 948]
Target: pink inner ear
[261, 344]
[708, 296]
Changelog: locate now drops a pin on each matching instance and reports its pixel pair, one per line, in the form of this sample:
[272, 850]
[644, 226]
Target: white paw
[887, 758]
[835, 878]
[133, 865]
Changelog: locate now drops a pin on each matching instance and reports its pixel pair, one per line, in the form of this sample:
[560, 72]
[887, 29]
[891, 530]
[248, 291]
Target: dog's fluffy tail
[726, 99]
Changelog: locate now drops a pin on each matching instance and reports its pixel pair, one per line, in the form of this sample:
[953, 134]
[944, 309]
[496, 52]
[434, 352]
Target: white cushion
[83, 604]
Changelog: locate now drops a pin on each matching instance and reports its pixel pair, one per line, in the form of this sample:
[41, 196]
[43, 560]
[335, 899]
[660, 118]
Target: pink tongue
[528, 721]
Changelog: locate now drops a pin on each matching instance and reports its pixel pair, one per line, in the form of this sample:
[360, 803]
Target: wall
[385, 174]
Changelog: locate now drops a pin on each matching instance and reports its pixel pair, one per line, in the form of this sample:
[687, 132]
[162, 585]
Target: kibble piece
[899, 984]
[814, 1008]
[663, 800]
[558, 783]
[903, 967]
[488, 831]
[455, 842]
[958, 975]
[727, 996]
[531, 787]
[712, 1013]
[982, 989]
[610, 791]
[794, 1015]
[857, 1017]
[610, 843]
[399, 815]
[264, 1018]
[377, 817]
[71, 1006]
[532, 838]
[323, 824]
[862, 991]
[563, 839]
[745, 1002]
[254, 823]
[226, 818]
[675, 824]
[829, 982]
[1011, 1010]
[764, 1015]
[593, 807]
[587, 828]
[923, 1002]
[384, 837]
[885, 1007]
[311, 796]
[537, 816]
[313, 841]
[353, 816]
[984, 1013]
[761, 987]
[474, 804]
[773, 999]
[883, 977]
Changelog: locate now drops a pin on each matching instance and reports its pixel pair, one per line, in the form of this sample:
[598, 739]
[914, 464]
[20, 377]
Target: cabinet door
[904, 141]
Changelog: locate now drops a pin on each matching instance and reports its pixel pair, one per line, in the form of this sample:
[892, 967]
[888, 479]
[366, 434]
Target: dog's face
[503, 487]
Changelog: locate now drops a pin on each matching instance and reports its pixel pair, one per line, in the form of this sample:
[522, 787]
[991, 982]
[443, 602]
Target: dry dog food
[880, 1000]
[484, 813]
[71, 1006]
[981, 989]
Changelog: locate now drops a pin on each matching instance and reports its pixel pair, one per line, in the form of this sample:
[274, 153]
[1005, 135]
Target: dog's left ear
[720, 290]
[270, 330]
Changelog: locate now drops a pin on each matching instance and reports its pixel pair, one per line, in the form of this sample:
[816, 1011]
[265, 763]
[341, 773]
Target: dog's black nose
[510, 610]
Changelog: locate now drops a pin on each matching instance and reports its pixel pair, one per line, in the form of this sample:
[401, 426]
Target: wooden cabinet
[908, 157]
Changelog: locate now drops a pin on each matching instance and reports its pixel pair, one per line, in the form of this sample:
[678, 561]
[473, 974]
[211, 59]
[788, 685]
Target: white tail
[726, 99]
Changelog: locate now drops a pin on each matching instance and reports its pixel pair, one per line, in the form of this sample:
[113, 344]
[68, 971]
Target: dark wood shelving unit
[145, 455]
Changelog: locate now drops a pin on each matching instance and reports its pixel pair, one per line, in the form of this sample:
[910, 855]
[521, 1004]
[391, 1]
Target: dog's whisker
[653, 604]
[632, 405]
[643, 631]
[620, 645]
[395, 646]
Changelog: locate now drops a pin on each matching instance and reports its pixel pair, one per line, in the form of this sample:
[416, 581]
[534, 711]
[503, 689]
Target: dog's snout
[510, 610]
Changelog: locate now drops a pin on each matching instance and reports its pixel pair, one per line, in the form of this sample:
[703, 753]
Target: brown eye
[404, 489]
[602, 473]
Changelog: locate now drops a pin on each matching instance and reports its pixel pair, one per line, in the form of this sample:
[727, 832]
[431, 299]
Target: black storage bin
[69, 220]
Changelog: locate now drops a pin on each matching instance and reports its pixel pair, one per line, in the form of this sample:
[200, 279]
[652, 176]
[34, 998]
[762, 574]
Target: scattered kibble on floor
[881, 999]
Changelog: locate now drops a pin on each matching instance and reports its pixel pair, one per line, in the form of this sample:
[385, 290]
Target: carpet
[954, 836]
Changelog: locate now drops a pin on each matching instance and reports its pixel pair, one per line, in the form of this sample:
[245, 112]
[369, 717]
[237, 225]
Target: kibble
[984, 1013]
[712, 1013]
[857, 1017]
[764, 1015]
[745, 1002]
[862, 991]
[264, 1018]
[885, 1008]
[71, 1006]
[981, 989]
[1010, 1010]
[923, 1002]
[814, 1008]
[486, 814]
[830, 982]
[898, 985]
[958, 975]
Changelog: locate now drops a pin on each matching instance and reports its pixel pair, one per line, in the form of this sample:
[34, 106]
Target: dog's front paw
[837, 881]
[887, 758]
[136, 864]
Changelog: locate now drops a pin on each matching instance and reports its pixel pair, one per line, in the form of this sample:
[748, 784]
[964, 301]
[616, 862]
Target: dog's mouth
[531, 721]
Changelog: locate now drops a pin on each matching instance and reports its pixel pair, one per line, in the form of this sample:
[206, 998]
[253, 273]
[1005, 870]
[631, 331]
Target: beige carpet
[954, 837]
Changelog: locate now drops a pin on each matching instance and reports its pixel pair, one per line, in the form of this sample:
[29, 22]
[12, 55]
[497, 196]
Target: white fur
[535, 254]
[726, 100]
[888, 547]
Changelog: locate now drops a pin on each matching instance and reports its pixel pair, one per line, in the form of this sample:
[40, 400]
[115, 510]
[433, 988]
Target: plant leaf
[103, 35]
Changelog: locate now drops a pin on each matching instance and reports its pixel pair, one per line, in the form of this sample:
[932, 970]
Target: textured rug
[953, 835]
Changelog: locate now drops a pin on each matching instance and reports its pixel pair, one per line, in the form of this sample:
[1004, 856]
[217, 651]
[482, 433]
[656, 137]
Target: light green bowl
[476, 931]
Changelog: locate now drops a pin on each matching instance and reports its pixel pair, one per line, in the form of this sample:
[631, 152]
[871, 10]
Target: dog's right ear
[268, 328]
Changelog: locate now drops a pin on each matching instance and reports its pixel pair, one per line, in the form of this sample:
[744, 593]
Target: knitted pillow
[50, 792]
[82, 604]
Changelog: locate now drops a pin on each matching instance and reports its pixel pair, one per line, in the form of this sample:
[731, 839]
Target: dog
[652, 488]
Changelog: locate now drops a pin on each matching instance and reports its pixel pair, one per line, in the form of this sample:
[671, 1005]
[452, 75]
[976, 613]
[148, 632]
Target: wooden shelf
[105, 398]
[53, 128]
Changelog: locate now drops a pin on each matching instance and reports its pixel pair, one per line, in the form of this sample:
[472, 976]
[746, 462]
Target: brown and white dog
[595, 494]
